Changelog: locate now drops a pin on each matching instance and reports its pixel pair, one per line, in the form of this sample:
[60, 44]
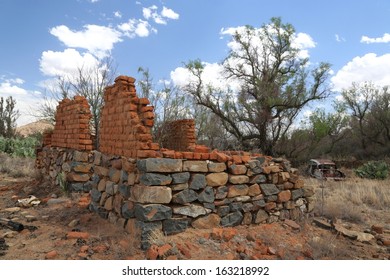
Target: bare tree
[89, 82]
[275, 83]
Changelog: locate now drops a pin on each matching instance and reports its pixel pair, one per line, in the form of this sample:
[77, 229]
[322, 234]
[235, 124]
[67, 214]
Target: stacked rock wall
[142, 188]
[173, 194]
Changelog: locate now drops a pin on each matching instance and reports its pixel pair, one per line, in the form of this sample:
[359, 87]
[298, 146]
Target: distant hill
[34, 127]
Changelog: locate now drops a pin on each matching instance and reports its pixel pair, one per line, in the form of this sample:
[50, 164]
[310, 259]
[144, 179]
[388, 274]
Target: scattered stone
[378, 229]
[9, 234]
[51, 255]
[359, 236]
[11, 209]
[207, 222]
[74, 223]
[30, 218]
[77, 235]
[292, 224]
[175, 225]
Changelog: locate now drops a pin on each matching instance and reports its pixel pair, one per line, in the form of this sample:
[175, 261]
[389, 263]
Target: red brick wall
[179, 135]
[126, 121]
[72, 125]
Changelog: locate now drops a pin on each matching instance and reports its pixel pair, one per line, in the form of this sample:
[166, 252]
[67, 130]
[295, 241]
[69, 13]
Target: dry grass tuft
[326, 248]
[18, 167]
[348, 199]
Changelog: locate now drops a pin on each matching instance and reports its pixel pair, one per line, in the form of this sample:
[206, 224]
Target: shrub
[19, 147]
[373, 170]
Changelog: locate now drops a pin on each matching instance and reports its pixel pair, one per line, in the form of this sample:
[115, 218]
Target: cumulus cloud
[10, 87]
[118, 14]
[302, 41]
[65, 63]
[169, 13]
[95, 38]
[159, 18]
[134, 28]
[384, 39]
[24, 98]
[369, 67]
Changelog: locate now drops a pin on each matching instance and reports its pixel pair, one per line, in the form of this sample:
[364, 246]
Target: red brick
[51, 255]
[77, 235]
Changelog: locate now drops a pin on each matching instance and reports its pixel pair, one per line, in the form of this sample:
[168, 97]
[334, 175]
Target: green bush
[19, 147]
[373, 170]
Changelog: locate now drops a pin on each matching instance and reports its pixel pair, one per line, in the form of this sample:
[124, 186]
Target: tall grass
[18, 166]
[350, 198]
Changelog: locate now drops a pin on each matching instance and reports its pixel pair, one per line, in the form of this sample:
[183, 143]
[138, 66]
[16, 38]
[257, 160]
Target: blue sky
[43, 38]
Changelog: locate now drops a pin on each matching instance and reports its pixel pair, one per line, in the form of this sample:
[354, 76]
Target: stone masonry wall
[72, 125]
[142, 188]
[173, 194]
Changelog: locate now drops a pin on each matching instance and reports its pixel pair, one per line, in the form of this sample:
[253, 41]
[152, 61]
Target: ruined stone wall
[72, 125]
[140, 187]
[173, 194]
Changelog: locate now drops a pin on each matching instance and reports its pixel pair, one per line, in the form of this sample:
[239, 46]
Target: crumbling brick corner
[126, 122]
[71, 129]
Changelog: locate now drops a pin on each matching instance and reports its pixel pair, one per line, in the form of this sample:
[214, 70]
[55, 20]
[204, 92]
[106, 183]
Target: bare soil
[61, 227]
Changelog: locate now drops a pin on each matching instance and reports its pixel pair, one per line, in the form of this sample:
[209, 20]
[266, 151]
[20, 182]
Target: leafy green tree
[274, 83]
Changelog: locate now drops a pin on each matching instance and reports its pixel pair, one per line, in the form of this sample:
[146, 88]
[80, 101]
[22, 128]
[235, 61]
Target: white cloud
[95, 38]
[93, 1]
[369, 67]
[148, 12]
[24, 98]
[339, 38]
[9, 87]
[169, 13]
[65, 63]
[384, 39]
[134, 28]
[118, 14]
[159, 18]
